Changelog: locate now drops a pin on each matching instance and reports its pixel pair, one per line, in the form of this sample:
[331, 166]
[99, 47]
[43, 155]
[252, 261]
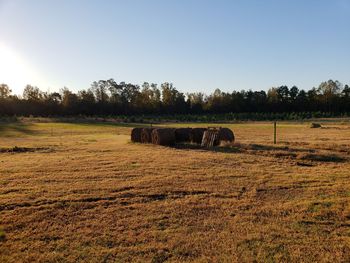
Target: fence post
[274, 132]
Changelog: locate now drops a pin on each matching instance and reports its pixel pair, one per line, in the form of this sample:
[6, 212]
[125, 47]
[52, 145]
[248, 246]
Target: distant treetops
[107, 97]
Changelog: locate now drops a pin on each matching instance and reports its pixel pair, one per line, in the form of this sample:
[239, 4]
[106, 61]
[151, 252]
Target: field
[74, 192]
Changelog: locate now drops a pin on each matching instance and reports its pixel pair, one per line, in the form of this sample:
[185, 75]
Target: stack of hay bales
[169, 136]
[183, 134]
[165, 136]
[196, 135]
[146, 135]
[136, 134]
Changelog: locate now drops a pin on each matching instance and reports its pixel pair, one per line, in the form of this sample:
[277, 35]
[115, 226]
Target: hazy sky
[198, 45]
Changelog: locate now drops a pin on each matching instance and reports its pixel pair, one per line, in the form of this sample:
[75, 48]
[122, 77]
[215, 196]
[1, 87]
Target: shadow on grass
[269, 150]
[10, 129]
[322, 158]
[92, 121]
[239, 148]
[185, 146]
[261, 147]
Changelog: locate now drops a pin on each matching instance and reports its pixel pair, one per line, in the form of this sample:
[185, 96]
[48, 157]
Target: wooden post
[274, 132]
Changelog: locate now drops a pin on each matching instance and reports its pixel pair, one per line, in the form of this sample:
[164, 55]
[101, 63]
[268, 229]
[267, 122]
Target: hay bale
[210, 138]
[182, 134]
[136, 134]
[215, 136]
[315, 125]
[196, 135]
[226, 135]
[165, 136]
[146, 135]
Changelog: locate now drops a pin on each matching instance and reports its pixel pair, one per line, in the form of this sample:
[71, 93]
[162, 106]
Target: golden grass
[84, 193]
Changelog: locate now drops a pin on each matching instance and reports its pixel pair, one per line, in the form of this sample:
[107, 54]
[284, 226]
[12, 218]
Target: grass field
[84, 193]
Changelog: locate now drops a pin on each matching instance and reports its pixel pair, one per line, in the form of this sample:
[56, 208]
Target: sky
[198, 45]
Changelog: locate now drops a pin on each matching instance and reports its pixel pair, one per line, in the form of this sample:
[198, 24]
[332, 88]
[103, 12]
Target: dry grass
[96, 197]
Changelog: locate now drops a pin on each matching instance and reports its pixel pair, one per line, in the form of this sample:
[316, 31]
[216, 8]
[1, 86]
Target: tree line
[108, 97]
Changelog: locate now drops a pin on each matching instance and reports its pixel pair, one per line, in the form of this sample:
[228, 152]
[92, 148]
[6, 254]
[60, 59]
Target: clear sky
[198, 45]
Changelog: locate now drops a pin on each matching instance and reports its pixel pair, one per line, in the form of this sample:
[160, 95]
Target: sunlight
[14, 71]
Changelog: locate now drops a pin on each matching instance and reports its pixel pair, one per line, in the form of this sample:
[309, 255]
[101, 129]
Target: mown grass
[84, 193]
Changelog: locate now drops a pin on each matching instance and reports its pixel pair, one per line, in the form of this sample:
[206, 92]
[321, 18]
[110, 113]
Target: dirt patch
[305, 164]
[17, 149]
[172, 195]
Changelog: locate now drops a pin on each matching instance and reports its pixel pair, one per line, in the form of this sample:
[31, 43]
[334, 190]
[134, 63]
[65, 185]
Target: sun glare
[14, 70]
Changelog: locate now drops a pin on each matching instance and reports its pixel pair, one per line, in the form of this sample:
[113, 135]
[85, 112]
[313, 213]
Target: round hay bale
[136, 134]
[182, 134]
[146, 135]
[196, 135]
[209, 139]
[315, 125]
[225, 135]
[164, 136]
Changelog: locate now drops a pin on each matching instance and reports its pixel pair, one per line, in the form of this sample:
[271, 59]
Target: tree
[173, 100]
[346, 91]
[106, 97]
[100, 90]
[124, 96]
[149, 98]
[329, 91]
[69, 101]
[86, 101]
[196, 101]
[313, 102]
[52, 102]
[301, 100]
[129, 92]
[238, 103]
[283, 94]
[329, 88]
[56, 97]
[32, 93]
[293, 93]
[219, 102]
[345, 99]
[259, 100]
[5, 91]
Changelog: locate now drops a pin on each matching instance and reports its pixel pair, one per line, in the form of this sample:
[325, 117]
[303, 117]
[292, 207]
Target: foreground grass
[85, 193]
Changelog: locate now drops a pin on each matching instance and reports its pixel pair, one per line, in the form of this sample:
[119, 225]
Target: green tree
[293, 93]
[329, 93]
[86, 101]
[69, 101]
[346, 91]
[196, 101]
[283, 94]
[149, 98]
[173, 100]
